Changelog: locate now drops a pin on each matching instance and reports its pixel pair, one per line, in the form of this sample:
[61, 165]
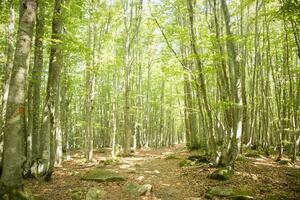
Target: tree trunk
[8, 72]
[14, 132]
[36, 82]
[51, 121]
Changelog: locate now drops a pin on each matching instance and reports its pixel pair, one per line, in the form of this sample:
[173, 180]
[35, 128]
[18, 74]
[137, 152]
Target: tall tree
[8, 72]
[51, 120]
[14, 132]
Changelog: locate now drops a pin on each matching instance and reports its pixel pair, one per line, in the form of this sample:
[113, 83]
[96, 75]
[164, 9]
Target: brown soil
[263, 176]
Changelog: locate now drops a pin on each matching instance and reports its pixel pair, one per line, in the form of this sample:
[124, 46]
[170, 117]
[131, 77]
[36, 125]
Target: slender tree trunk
[36, 82]
[201, 82]
[55, 64]
[8, 72]
[236, 130]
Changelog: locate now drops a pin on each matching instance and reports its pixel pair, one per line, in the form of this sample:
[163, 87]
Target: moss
[242, 159]
[222, 174]
[94, 194]
[20, 194]
[187, 163]
[115, 161]
[76, 194]
[253, 154]
[231, 193]
[101, 175]
[132, 188]
[285, 162]
[171, 157]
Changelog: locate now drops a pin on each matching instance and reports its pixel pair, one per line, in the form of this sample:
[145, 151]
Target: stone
[285, 162]
[101, 175]
[229, 193]
[145, 189]
[140, 178]
[138, 190]
[187, 163]
[76, 195]
[198, 159]
[94, 194]
[222, 174]
[170, 157]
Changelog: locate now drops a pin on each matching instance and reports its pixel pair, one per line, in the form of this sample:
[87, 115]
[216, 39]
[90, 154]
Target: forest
[149, 99]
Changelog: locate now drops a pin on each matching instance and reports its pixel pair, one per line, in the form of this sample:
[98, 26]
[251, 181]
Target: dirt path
[264, 177]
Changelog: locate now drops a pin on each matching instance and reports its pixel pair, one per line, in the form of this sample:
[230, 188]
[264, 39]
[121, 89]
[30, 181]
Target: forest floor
[263, 176]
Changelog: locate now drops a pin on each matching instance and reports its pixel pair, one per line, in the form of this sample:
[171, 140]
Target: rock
[253, 154]
[76, 194]
[187, 163]
[140, 178]
[285, 162]
[101, 175]
[229, 193]
[145, 189]
[222, 174]
[94, 194]
[170, 157]
[198, 159]
[138, 190]
[74, 173]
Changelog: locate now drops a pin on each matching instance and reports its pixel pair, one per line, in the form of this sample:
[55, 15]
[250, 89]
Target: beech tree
[14, 154]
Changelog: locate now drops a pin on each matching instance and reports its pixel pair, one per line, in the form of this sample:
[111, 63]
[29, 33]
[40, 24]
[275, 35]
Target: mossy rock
[116, 161]
[253, 154]
[101, 175]
[171, 157]
[242, 159]
[76, 194]
[94, 194]
[285, 162]
[187, 163]
[222, 174]
[199, 159]
[229, 193]
[137, 190]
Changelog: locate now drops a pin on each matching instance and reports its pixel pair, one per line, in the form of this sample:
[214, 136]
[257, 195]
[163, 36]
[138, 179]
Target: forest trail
[160, 168]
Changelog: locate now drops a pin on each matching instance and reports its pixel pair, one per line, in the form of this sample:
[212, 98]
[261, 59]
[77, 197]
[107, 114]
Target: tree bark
[8, 72]
[14, 132]
[51, 121]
